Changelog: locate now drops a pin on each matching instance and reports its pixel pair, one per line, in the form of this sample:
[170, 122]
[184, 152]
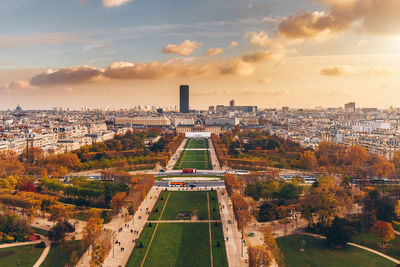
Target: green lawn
[392, 248]
[214, 211]
[26, 255]
[318, 253]
[219, 253]
[194, 159]
[59, 255]
[180, 244]
[40, 231]
[137, 255]
[194, 202]
[197, 143]
[156, 212]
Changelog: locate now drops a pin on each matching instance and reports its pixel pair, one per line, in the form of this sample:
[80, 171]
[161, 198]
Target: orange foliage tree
[384, 231]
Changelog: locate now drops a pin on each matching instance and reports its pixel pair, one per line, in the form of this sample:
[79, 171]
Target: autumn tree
[101, 248]
[259, 256]
[117, 202]
[384, 231]
[272, 246]
[59, 213]
[308, 160]
[91, 231]
[381, 167]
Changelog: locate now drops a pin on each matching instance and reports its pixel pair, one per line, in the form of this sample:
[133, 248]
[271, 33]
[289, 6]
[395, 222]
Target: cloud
[237, 66]
[264, 56]
[233, 44]
[155, 70]
[380, 72]
[214, 51]
[258, 38]
[75, 75]
[185, 48]
[265, 80]
[115, 3]
[349, 71]
[367, 16]
[338, 71]
[18, 85]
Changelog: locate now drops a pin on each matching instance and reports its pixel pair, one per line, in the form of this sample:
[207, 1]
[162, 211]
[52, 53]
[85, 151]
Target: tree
[117, 202]
[73, 259]
[381, 167]
[259, 256]
[337, 234]
[57, 233]
[384, 231]
[59, 213]
[270, 244]
[91, 231]
[308, 160]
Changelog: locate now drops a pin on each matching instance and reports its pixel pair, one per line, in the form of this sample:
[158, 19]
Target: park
[183, 230]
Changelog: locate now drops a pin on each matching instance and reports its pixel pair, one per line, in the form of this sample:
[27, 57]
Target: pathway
[358, 246]
[375, 252]
[174, 158]
[117, 256]
[213, 155]
[44, 253]
[233, 245]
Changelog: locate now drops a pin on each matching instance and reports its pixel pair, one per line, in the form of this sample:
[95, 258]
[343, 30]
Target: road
[200, 184]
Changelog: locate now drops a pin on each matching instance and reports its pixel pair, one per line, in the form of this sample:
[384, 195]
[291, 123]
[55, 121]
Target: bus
[176, 184]
[189, 171]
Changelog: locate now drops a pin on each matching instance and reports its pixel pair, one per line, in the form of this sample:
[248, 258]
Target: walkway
[174, 158]
[233, 245]
[117, 256]
[375, 252]
[213, 155]
[358, 246]
[44, 253]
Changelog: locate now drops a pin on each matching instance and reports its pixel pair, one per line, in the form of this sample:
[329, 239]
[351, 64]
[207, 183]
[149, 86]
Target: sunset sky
[270, 53]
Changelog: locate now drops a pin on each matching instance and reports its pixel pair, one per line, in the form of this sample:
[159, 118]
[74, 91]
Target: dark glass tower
[184, 98]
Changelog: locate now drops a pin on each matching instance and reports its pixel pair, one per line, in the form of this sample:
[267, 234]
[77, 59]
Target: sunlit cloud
[185, 48]
[233, 44]
[115, 3]
[214, 51]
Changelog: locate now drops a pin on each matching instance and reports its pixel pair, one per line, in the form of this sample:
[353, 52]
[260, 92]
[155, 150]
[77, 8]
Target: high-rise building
[184, 98]
[232, 104]
[350, 107]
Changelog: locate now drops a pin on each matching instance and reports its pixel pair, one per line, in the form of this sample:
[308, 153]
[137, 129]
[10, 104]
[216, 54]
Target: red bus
[176, 184]
[189, 171]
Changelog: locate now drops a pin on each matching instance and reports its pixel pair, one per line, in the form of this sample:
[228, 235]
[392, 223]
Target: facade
[184, 98]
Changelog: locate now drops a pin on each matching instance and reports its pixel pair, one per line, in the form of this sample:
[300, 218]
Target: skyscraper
[184, 98]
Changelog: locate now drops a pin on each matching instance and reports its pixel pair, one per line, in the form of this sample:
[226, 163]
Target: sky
[270, 53]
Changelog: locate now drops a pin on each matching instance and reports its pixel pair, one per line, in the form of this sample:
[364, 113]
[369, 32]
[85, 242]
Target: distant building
[184, 98]
[285, 109]
[350, 107]
[232, 104]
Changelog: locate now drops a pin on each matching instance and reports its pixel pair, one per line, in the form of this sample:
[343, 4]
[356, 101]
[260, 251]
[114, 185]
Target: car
[162, 171]
[192, 185]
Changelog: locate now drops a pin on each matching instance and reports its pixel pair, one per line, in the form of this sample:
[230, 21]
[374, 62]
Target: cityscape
[219, 133]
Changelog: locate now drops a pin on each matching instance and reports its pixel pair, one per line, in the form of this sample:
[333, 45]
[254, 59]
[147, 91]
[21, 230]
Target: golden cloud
[185, 48]
[214, 51]
[371, 16]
